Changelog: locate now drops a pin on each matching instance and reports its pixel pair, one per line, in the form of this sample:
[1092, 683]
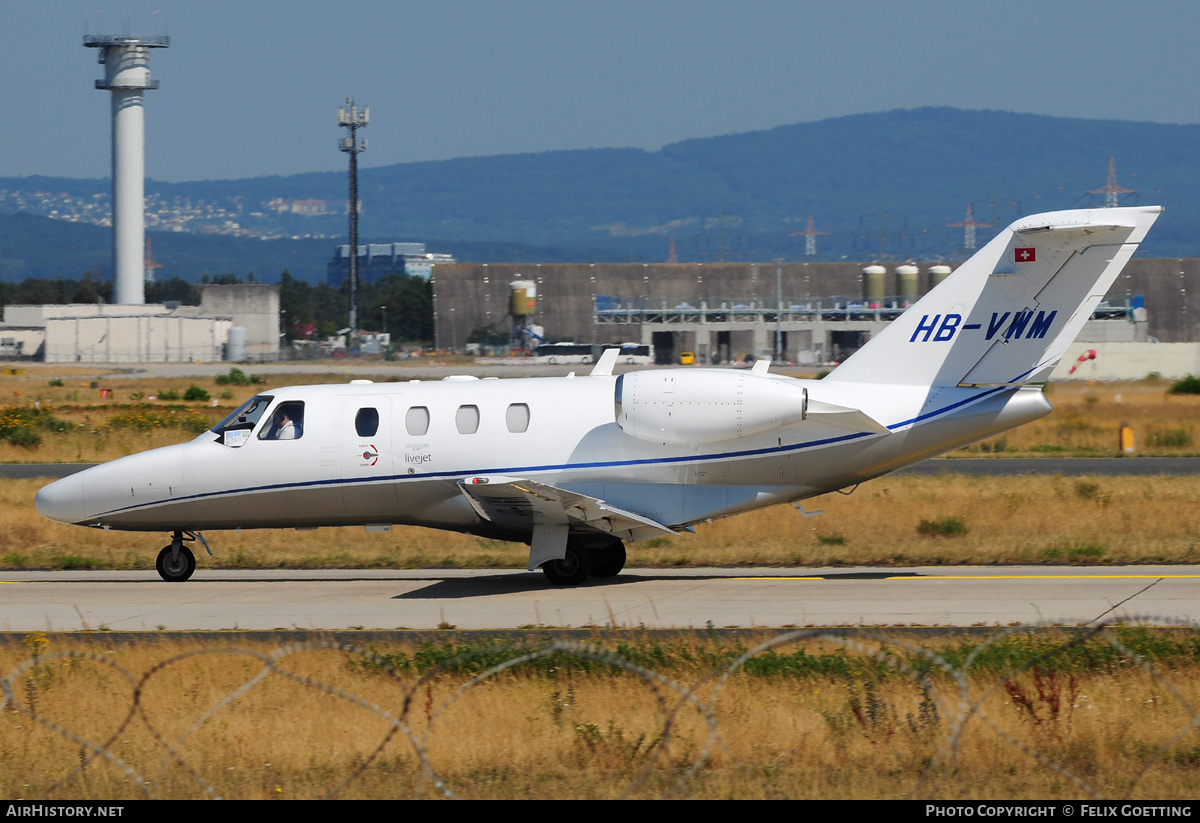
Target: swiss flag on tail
[1028, 255]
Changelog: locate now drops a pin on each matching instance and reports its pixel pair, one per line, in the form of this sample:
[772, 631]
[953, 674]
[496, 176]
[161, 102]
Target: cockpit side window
[235, 429]
[287, 422]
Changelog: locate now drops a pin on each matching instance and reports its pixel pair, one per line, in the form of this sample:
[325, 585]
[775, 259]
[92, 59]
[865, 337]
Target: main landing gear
[176, 562]
[584, 560]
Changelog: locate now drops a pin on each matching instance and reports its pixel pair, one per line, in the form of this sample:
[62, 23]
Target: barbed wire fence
[959, 707]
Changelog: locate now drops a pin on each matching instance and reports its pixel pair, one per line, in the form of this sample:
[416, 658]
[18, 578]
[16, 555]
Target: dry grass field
[1087, 420]
[1029, 716]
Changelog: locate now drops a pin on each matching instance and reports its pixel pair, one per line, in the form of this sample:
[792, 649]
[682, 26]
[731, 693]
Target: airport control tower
[126, 61]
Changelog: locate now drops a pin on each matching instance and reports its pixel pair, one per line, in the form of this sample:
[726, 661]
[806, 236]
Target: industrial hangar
[726, 311]
[232, 322]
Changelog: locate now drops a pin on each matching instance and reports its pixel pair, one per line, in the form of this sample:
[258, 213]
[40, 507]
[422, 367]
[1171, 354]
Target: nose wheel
[176, 562]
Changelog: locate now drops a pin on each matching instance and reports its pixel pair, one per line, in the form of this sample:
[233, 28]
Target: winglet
[760, 367]
[604, 366]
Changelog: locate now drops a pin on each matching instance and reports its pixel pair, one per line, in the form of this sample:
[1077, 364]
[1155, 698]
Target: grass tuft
[942, 527]
[1188, 385]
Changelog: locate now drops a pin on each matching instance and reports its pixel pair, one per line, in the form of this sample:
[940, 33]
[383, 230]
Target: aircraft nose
[62, 500]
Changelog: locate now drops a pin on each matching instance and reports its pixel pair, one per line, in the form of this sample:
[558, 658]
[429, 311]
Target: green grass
[1188, 385]
[942, 527]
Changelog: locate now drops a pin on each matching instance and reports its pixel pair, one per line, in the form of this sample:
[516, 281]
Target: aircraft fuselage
[333, 476]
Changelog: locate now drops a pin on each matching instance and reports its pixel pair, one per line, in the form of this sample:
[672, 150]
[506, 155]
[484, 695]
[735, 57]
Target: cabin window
[366, 422]
[287, 423]
[467, 419]
[417, 421]
[235, 429]
[517, 418]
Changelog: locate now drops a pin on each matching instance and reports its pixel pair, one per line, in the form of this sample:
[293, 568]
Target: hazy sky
[252, 88]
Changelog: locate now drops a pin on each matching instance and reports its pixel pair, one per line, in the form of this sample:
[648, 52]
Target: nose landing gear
[176, 562]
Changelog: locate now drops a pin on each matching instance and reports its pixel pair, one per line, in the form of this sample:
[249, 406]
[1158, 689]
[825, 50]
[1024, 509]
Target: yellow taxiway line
[835, 576]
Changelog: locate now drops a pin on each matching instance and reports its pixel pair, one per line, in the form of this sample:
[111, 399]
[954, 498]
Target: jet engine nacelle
[704, 406]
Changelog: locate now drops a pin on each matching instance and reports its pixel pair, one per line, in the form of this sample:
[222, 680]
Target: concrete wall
[255, 307]
[136, 339]
[470, 295]
[1172, 290]
[1130, 361]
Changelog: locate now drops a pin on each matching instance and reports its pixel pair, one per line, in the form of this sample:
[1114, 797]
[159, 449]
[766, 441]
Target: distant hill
[882, 184]
[39, 247]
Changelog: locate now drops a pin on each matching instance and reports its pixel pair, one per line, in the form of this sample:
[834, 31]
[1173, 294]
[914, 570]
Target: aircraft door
[366, 456]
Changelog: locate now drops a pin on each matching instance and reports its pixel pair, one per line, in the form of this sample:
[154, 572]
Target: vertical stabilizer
[1007, 315]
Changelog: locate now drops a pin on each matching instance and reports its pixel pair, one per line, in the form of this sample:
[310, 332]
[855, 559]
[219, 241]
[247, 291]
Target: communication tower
[353, 118]
[126, 61]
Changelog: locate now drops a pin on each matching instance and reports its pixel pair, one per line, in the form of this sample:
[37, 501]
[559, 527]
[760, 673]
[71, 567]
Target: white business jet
[577, 466]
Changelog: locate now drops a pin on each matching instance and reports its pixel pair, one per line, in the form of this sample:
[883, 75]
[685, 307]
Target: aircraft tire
[572, 569]
[179, 571]
[609, 561]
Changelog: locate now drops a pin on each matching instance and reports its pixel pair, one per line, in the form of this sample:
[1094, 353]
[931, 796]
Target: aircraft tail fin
[1007, 315]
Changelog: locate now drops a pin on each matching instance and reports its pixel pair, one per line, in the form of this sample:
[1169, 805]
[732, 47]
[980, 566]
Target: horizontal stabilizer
[519, 504]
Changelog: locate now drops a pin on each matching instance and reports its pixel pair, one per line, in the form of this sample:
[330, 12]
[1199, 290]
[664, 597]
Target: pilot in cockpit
[286, 422]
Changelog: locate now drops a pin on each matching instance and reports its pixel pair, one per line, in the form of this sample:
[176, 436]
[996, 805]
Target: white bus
[571, 354]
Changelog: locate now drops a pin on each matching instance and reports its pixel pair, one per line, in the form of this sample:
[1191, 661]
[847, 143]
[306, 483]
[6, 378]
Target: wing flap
[521, 504]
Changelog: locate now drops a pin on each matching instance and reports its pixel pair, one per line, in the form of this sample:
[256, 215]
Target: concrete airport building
[727, 311]
[232, 322]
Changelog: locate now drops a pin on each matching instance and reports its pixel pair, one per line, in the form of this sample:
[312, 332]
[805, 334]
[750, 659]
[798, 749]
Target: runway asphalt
[653, 598]
[650, 598]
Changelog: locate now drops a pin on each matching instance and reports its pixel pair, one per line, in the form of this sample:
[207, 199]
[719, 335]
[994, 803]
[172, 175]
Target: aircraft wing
[521, 504]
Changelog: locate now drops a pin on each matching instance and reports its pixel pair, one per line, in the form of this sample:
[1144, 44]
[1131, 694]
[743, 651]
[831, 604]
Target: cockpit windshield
[235, 429]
